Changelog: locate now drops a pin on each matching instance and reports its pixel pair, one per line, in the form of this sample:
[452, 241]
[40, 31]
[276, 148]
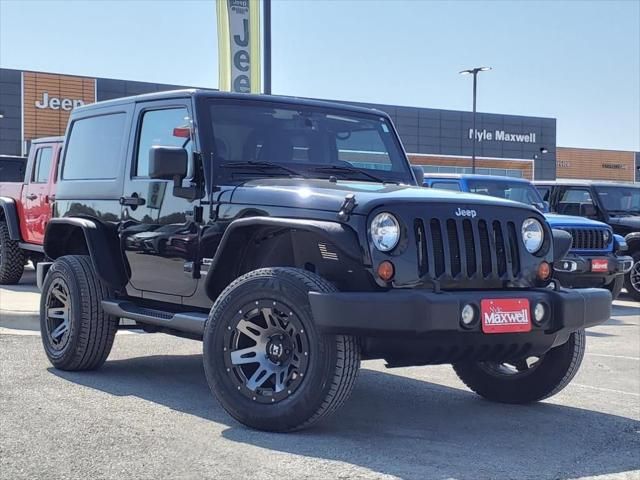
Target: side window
[167, 128]
[544, 191]
[94, 148]
[576, 195]
[42, 165]
[446, 186]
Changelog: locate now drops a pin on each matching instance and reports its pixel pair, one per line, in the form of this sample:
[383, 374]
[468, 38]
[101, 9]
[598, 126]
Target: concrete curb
[20, 320]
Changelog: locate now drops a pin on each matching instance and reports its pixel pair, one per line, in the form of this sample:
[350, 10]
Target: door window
[169, 127]
[576, 195]
[42, 165]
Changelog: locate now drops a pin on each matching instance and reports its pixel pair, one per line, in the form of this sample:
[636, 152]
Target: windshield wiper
[252, 165]
[345, 169]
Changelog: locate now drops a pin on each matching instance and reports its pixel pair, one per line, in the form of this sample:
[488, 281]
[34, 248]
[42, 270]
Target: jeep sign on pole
[239, 45]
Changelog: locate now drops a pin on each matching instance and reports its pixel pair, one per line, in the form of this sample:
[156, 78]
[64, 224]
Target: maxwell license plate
[505, 315]
[599, 265]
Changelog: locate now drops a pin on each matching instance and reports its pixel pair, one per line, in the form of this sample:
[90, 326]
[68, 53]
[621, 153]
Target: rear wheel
[615, 286]
[264, 360]
[527, 380]
[632, 278]
[76, 333]
[11, 258]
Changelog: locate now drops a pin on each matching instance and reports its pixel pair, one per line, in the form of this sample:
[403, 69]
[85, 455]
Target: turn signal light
[386, 270]
[544, 271]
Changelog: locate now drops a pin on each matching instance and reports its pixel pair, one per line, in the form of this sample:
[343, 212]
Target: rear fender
[9, 212]
[82, 236]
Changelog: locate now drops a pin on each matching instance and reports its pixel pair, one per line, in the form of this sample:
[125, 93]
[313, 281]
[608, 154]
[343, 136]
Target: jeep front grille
[467, 248]
[587, 238]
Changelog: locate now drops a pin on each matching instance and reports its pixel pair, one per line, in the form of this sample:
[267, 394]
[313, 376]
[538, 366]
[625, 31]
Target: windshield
[517, 191]
[620, 199]
[305, 140]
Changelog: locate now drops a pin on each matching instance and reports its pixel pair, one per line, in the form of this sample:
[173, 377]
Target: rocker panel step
[191, 322]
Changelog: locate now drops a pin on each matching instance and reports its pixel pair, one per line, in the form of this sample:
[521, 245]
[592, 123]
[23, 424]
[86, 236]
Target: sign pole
[266, 43]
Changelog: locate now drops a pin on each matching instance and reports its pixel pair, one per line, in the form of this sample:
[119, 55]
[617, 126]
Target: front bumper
[576, 270]
[419, 326]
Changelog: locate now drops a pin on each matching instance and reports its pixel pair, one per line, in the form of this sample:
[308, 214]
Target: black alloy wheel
[267, 351]
[265, 360]
[57, 314]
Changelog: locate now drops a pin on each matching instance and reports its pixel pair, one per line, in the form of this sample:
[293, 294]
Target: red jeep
[25, 209]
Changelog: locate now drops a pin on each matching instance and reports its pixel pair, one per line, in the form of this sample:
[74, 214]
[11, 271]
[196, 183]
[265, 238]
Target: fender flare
[239, 232]
[633, 241]
[101, 243]
[562, 243]
[8, 206]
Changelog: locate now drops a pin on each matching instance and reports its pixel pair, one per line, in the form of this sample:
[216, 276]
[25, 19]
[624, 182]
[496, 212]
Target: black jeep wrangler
[292, 237]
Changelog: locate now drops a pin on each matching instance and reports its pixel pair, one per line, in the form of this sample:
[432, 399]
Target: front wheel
[265, 361]
[632, 278]
[529, 379]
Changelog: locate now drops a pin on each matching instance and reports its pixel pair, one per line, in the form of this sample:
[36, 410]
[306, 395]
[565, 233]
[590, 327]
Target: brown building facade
[48, 100]
[592, 164]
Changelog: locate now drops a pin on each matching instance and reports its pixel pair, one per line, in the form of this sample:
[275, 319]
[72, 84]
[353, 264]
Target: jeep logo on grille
[465, 213]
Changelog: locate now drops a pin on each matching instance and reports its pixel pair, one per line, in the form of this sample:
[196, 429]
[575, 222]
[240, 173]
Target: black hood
[625, 224]
[321, 194]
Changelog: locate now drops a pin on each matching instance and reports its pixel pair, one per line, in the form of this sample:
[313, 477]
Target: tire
[615, 286]
[12, 258]
[76, 333]
[551, 374]
[255, 309]
[632, 278]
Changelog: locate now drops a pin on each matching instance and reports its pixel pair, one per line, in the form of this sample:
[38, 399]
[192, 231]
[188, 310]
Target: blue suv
[596, 257]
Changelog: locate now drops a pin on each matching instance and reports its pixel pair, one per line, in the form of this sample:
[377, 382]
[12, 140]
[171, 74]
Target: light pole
[474, 72]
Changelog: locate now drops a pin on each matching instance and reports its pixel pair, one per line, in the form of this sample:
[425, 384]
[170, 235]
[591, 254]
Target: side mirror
[546, 205]
[418, 172]
[168, 163]
[588, 210]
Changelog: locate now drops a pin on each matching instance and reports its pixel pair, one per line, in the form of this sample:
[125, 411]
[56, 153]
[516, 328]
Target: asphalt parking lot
[148, 414]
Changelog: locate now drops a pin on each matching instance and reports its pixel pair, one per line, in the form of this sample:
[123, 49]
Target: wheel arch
[633, 242]
[82, 236]
[330, 249]
[9, 213]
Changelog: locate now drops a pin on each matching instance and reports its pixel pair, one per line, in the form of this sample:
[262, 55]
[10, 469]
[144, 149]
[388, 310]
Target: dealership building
[37, 104]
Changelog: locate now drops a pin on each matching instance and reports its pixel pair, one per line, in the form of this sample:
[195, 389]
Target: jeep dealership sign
[239, 45]
[55, 103]
[47, 102]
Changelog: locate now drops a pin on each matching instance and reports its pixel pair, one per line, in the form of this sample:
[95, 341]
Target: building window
[512, 172]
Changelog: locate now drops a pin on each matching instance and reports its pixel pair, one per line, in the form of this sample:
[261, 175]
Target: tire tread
[12, 258]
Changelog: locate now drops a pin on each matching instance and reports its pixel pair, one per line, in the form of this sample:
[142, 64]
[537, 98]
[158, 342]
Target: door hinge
[347, 207]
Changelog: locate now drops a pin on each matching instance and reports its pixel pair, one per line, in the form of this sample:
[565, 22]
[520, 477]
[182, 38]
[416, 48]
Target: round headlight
[606, 236]
[532, 235]
[385, 231]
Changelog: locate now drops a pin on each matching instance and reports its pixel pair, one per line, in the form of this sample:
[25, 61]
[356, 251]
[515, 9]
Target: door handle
[32, 196]
[133, 201]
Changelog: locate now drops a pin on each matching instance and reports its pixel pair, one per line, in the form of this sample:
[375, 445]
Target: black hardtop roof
[586, 183]
[202, 93]
[59, 139]
[474, 176]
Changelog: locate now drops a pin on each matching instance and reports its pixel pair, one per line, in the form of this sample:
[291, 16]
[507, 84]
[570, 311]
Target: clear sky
[577, 61]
